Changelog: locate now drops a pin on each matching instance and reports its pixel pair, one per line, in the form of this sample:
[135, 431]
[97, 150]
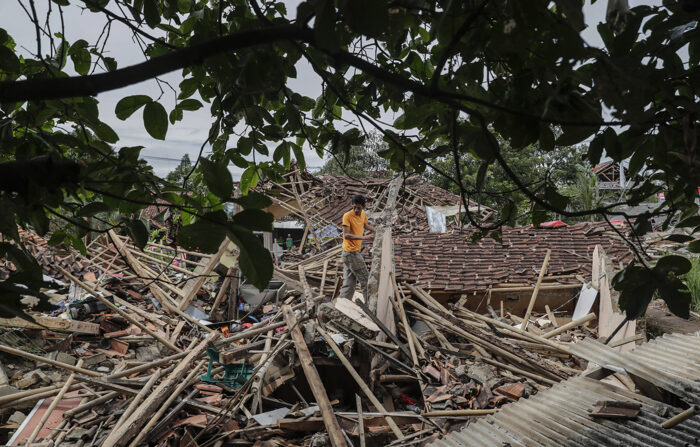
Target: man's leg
[361, 274]
[349, 280]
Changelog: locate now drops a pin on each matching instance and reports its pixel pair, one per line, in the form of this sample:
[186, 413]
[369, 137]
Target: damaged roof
[559, 416]
[451, 261]
[328, 197]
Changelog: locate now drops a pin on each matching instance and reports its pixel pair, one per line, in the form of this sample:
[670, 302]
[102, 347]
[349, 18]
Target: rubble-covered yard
[165, 347]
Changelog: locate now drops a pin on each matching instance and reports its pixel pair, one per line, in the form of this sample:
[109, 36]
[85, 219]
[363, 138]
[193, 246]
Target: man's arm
[353, 237]
[370, 227]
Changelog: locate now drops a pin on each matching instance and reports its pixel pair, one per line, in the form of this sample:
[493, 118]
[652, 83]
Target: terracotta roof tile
[452, 262]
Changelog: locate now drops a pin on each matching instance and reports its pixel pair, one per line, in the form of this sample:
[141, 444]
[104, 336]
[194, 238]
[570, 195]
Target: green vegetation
[692, 280]
[359, 161]
[492, 83]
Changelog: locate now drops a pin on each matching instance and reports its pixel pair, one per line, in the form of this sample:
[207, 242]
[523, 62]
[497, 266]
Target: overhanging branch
[54, 88]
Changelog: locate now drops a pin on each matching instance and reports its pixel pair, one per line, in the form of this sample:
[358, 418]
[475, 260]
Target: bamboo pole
[361, 383]
[473, 338]
[131, 426]
[360, 420]
[14, 396]
[138, 399]
[570, 325]
[516, 330]
[446, 413]
[520, 371]
[221, 294]
[164, 407]
[53, 405]
[109, 304]
[680, 417]
[329, 420]
[550, 314]
[533, 298]
[38, 358]
[86, 406]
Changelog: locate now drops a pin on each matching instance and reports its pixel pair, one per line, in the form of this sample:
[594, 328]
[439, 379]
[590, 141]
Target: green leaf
[249, 179]
[254, 260]
[574, 134]
[217, 177]
[254, 220]
[81, 61]
[675, 264]
[679, 238]
[282, 154]
[155, 118]
[206, 234]
[151, 12]
[676, 296]
[694, 247]
[254, 200]
[77, 243]
[691, 221]
[324, 26]
[481, 175]
[127, 106]
[138, 233]
[190, 104]
[105, 133]
[299, 155]
[635, 300]
[57, 238]
[176, 115]
[9, 63]
[370, 17]
[91, 209]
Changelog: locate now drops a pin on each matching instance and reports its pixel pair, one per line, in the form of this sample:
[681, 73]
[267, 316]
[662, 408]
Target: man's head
[358, 204]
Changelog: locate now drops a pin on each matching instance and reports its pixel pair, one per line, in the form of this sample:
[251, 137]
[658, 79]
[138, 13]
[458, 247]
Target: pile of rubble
[165, 346]
[122, 364]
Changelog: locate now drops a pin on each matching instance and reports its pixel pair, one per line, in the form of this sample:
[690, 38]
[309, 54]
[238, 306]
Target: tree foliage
[490, 185]
[359, 161]
[456, 73]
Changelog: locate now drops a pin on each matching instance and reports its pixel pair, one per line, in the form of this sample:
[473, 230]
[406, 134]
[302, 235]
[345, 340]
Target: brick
[512, 390]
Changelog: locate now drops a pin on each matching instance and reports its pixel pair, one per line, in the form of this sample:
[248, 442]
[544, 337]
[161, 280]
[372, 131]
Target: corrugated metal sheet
[671, 362]
[559, 416]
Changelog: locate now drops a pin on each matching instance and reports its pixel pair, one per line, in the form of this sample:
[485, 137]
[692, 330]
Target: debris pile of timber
[147, 351]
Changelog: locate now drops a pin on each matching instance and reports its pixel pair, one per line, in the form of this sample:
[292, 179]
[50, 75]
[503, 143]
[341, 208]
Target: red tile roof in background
[452, 262]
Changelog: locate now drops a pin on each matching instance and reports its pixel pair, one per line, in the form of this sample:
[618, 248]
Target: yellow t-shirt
[357, 227]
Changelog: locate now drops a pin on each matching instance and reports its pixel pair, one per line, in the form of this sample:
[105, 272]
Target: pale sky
[186, 136]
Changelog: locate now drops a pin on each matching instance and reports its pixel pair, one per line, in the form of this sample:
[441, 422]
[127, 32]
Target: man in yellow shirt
[354, 267]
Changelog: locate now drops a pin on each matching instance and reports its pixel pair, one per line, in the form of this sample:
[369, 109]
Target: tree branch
[41, 89]
[456, 38]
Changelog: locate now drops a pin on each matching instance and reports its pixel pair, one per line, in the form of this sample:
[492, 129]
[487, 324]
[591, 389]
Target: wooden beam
[164, 406]
[200, 275]
[138, 418]
[361, 383]
[335, 433]
[533, 298]
[308, 297]
[53, 405]
[136, 401]
[381, 254]
[221, 294]
[40, 359]
[550, 315]
[53, 324]
[570, 325]
[109, 304]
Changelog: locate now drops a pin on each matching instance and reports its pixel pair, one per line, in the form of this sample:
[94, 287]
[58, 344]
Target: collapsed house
[164, 346]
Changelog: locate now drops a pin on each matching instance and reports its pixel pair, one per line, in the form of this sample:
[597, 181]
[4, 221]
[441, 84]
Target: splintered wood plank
[319, 391]
[54, 324]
